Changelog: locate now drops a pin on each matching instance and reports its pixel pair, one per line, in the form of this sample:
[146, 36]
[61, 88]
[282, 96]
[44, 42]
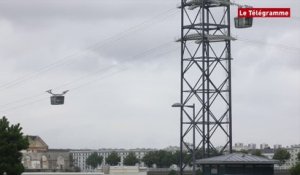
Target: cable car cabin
[57, 100]
[243, 22]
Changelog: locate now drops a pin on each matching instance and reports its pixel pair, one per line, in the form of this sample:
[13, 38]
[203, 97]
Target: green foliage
[257, 152]
[94, 160]
[282, 155]
[295, 170]
[130, 159]
[150, 158]
[162, 159]
[298, 156]
[199, 172]
[113, 159]
[244, 151]
[187, 157]
[172, 172]
[12, 142]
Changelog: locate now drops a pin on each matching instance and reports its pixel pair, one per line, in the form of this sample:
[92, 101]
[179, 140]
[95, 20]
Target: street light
[177, 105]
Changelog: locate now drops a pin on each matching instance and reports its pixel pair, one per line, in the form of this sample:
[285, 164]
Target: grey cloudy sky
[122, 67]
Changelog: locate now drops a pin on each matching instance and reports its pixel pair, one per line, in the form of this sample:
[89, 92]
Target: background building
[293, 150]
[36, 144]
[252, 146]
[242, 146]
[238, 146]
[277, 146]
[264, 146]
[39, 158]
[268, 152]
[80, 156]
[53, 159]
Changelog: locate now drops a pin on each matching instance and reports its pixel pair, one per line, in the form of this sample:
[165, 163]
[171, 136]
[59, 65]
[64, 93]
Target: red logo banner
[264, 12]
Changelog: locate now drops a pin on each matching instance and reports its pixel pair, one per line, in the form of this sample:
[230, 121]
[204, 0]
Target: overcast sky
[119, 60]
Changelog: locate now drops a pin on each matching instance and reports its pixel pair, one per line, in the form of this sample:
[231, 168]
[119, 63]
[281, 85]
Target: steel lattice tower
[206, 114]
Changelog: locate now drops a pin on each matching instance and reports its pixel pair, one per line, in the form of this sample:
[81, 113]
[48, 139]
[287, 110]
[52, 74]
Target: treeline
[113, 159]
[164, 159]
[160, 158]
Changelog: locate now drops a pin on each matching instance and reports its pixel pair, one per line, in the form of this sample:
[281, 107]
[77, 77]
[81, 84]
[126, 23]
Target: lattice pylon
[206, 112]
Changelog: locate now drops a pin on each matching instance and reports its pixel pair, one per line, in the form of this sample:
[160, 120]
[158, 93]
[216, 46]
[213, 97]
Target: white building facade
[80, 156]
[242, 146]
[294, 151]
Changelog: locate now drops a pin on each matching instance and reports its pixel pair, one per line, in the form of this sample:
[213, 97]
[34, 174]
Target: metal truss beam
[206, 111]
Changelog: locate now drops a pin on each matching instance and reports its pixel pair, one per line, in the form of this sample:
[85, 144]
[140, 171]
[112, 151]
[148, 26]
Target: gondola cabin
[57, 100]
[243, 22]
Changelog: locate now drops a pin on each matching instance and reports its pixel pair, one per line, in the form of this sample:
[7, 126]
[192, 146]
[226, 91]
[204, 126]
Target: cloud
[132, 108]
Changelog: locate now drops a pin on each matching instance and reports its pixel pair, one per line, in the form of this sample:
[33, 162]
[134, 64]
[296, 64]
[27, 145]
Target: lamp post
[180, 105]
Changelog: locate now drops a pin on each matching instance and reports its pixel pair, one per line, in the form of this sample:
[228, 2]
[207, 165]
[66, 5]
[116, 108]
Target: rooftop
[236, 158]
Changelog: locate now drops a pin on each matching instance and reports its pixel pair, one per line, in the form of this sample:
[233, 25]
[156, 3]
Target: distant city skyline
[173, 147]
[39, 156]
[120, 61]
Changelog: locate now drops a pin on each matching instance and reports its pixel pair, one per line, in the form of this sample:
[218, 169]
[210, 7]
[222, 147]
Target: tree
[199, 172]
[175, 158]
[131, 159]
[113, 159]
[282, 155]
[298, 156]
[150, 158]
[164, 159]
[244, 151]
[295, 170]
[12, 142]
[94, 160]
[188, 157]
[257, 152]
[172, 172]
